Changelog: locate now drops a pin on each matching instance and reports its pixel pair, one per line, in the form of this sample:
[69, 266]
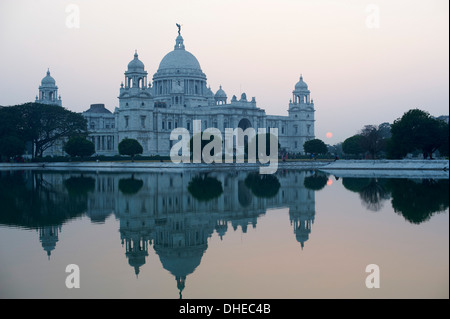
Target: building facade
[177, 96]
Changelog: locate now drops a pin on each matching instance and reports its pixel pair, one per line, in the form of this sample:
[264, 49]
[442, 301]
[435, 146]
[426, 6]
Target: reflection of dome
[136, 64]
[301, 85]
[180, 262]
[48, 80]
[136, 259]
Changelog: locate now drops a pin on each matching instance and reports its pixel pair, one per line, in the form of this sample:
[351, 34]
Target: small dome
[48, 80]
[136, 64]
[220, 93]
[301, 85]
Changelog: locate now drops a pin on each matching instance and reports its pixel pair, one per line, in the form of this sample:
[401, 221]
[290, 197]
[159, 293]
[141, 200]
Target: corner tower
[301, 114]
[48, 91]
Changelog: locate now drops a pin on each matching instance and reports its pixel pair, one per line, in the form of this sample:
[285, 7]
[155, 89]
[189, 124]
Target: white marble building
[177, 96]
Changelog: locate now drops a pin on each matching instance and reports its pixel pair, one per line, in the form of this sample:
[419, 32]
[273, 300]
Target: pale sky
[366, 62]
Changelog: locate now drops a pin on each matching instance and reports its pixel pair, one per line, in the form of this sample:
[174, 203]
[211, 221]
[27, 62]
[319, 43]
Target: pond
[233, 234]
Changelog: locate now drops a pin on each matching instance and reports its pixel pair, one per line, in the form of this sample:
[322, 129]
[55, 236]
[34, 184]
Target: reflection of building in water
[157, 209]
[101, 203]
[163, 213]
[48, 236]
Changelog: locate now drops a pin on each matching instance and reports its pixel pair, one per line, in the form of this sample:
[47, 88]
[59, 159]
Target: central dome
[179, 59]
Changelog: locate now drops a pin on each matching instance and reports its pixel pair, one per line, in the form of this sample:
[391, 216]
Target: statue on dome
[179, 28]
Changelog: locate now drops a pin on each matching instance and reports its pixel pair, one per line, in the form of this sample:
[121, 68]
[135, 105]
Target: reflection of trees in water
[263, 185]
[374, 195]
[244, 194]
[79, 185]
[30, 200]
[130, 186]
[418, 200]
[205, 188]
[372, 191]
[316, 182]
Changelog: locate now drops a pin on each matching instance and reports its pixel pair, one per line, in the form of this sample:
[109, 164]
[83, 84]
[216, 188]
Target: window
[308, 127]
[176, 124]
[188, 126]
[282, 130]
[296, 129]
[163, 125]
[143, 121]
[169, 125]
[126, 121]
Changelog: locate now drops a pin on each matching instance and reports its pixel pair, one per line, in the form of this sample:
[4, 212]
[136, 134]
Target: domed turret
[220, 96]
[301, 85]
[301, 93]
[48, 91]
[136, 76]
[48, 80]
[136, 64]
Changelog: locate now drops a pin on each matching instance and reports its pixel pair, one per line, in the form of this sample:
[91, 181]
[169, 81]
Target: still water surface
[296, 234]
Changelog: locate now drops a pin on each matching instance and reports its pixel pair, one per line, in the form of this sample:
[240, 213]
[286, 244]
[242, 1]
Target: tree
[416, 200]
[352, 145]
[41, 124]
[315, 146]
[11, 146]
[444, 148]
[130, 147]
[130, 186]
[371, 140]
[315, 182]
[79, 146]
[384, 129]
[203, 143]
[205, 188]
[417, 130]
[263, 186]
[270, 138]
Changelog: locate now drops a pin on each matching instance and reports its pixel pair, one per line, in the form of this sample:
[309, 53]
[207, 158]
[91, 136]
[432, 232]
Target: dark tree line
[416, 131]
[39, 124]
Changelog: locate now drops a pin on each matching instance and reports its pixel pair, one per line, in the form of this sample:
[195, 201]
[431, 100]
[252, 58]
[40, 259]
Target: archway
[244, 124]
